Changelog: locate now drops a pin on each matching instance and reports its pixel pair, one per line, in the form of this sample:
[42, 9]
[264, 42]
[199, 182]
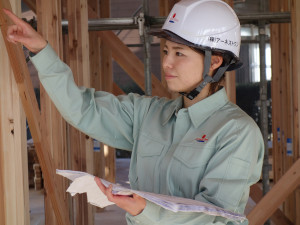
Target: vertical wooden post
[107, 85]
[14, 188]
[53, 126]
[95, 73]
[295, 27]
[276, 108]
[81, 146]
[297, 221]
[2, 190]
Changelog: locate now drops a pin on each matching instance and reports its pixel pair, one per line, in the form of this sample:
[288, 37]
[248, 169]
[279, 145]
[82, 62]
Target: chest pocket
[148, 158]
[188, 168]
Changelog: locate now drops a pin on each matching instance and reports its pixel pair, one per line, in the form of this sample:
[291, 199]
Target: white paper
[85, 183]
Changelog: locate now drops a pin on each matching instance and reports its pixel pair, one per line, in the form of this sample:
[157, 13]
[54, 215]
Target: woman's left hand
[132, 204]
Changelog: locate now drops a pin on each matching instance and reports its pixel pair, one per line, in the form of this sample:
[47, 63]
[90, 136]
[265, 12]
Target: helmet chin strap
[206, 78]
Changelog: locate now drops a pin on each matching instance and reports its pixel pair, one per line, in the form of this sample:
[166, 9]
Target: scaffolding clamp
[141, 22]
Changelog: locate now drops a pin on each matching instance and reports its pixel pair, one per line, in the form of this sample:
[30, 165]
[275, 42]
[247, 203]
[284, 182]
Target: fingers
[13, 32]
[14, 18]
[100, 185]
[106, 190]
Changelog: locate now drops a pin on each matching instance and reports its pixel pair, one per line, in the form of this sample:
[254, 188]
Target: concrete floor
[111, 215]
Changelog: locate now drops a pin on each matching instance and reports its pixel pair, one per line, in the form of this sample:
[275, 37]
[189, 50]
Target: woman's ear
[216, 62]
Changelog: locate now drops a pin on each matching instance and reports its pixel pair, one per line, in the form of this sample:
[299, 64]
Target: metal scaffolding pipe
[147, 46]
[264, 108]
[132, 22]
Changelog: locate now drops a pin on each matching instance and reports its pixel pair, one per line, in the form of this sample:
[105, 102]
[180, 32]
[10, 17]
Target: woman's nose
[167, 62]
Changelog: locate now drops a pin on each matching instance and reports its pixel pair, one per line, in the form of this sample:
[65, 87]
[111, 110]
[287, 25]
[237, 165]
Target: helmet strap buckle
[206, 78]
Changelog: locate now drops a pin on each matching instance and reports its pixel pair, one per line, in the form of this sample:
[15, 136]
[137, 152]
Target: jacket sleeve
[100, 115]
[231, 171]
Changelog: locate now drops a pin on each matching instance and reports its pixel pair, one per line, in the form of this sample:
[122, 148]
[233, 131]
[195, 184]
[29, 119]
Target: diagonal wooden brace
[276, 196]
[30, 105]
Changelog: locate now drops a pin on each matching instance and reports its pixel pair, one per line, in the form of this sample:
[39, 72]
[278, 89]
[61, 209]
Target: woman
[198, 146]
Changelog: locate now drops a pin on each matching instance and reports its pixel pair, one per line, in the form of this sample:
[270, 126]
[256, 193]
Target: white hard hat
[205, 23]
[208, 25]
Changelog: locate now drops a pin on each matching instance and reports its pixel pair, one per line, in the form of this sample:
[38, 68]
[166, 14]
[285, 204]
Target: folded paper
[85, 183]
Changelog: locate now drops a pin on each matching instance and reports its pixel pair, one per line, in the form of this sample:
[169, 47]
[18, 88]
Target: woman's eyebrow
[175, 47]
[178, 47]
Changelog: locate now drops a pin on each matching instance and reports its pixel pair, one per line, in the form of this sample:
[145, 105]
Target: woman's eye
[179, 54]
[165, 52]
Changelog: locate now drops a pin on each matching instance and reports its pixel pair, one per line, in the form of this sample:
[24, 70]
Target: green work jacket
[211, 151]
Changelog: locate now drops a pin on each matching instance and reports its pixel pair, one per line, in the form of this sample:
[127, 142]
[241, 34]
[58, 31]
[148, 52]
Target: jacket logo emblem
[173, 19]
[203, 139]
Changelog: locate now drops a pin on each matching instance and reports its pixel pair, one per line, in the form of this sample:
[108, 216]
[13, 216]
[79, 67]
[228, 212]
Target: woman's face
[183, 67]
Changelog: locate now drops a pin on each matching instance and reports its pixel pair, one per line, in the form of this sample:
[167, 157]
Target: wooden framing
[95, 75]
[285, 94]
[130, 63]
[278, 217]
[14, 189]
[128, 60]
[81, 146]
[2, 190]
[275, 197]
[295, 31]
[53, 126]
[22, 77]
[107, 85]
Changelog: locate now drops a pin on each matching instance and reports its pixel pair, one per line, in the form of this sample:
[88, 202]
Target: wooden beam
[297, 222]
[95, 75]
[276, 107]
[31, 109]
[295, 48]
[2, 198]
[107, 85]
[131, 63]
[14, 187]
[81, 145]
[295, 31]
[278, 218]
[275, 197]
[53, 126]
[117, 90]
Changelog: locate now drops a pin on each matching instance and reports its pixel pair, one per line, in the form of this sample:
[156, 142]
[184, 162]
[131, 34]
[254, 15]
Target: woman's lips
[169, 76]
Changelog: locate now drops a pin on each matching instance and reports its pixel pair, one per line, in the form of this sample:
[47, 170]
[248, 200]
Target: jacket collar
[201, 110]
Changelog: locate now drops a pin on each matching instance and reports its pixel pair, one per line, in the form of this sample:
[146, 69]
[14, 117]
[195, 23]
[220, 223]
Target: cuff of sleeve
[45, 58]
[147, 215]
